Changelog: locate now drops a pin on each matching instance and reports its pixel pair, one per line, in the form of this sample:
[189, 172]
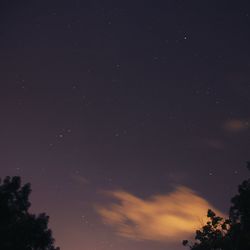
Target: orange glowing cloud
[171, 217]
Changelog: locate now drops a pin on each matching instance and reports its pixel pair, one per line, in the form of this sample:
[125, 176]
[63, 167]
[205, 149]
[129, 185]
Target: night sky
[129, 119]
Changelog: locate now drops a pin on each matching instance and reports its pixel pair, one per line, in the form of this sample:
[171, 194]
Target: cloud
[79, 179]
[236, 125]
[171, 217]
[215, 144]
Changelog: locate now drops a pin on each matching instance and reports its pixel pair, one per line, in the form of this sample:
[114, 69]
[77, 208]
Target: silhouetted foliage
[19, 229]
[227, 234]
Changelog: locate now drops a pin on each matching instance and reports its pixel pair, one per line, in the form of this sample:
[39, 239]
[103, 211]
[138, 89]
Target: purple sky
[145, 98]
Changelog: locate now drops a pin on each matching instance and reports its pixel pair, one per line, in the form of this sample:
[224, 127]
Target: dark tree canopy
[19, 229]
[227, 234]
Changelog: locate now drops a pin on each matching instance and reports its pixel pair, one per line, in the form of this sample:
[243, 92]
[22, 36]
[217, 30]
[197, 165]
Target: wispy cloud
[171, 217]
[79, 179]
[236, 125]
[216, 144]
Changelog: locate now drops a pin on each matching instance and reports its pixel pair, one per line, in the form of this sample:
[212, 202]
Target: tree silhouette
[19, 229]
[227, 234]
